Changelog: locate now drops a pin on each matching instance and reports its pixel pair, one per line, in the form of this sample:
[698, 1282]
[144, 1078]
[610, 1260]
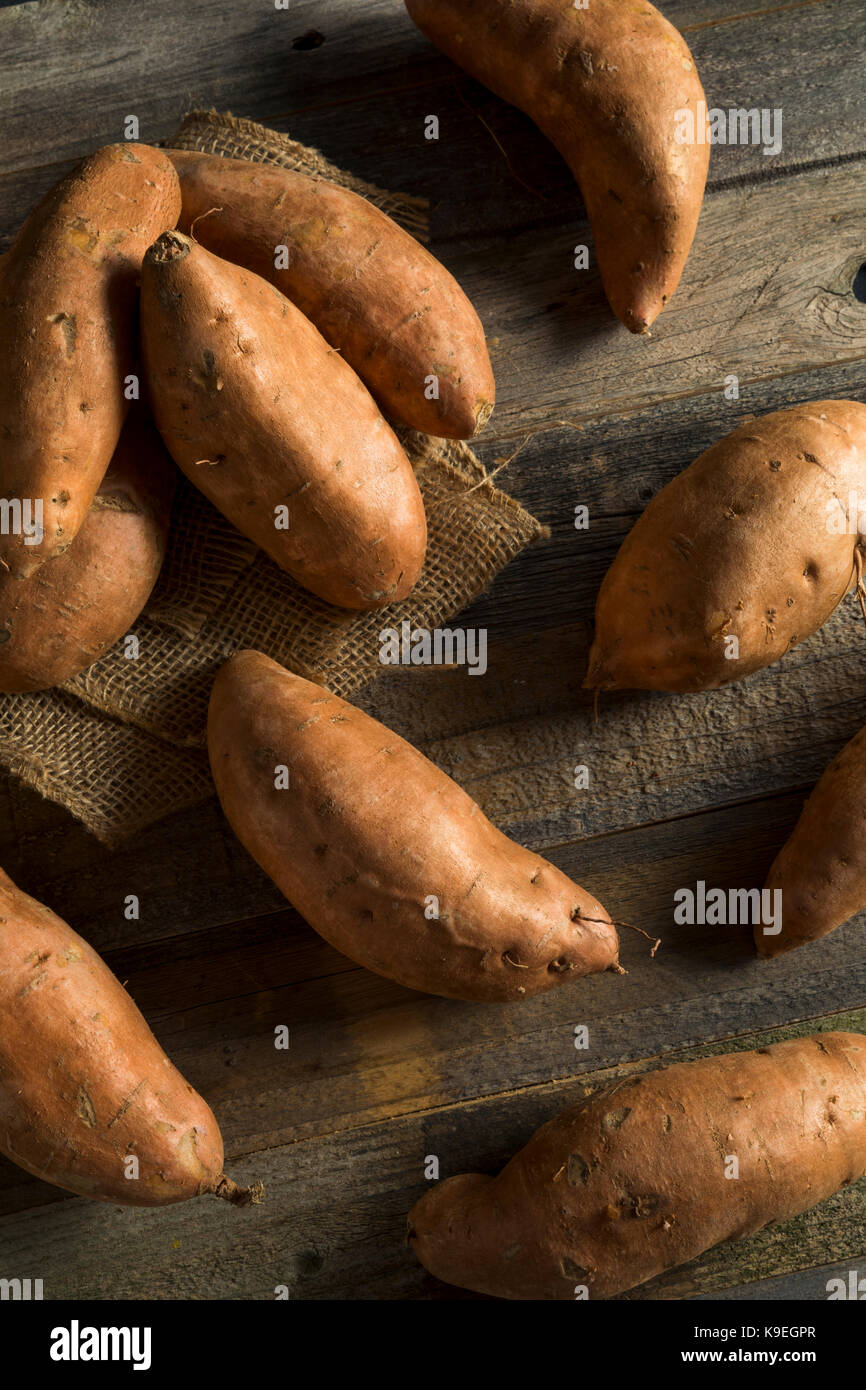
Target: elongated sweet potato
[383, 854]
[611, 86]
[84, 1085]
[276, 430]
[68, 305]
[641, 1177]
[744, 554]
[821, 869]
[393, 312]
[79, 604]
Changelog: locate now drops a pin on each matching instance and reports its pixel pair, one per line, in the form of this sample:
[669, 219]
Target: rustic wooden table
[682, 787]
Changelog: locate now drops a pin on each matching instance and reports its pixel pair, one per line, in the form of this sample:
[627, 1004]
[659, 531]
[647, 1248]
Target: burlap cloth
[122, 744]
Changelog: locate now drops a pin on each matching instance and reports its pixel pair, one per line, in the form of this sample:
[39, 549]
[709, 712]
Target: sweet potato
[273, 427]
[68, 306]
[79, 604]
[638, 1179]
[606, 84]
[84, 1085]
[821, 869]
[744, 554]
[383, 854]
[392, 311]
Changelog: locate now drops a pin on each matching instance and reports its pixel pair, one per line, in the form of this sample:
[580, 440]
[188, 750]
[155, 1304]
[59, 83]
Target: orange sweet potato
[76, 606]
[276, 430]
[383, 854]
[68, 305]
[606, 84]
[740, 557]
[394, 313]
[84, 1085]
[821, 869]
[639, 1178]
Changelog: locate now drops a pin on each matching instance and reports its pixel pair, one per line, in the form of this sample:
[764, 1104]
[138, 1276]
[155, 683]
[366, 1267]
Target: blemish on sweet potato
[84, 1109]
[33, 984]
[577, 1169]
[68, 328]
[615, 1119]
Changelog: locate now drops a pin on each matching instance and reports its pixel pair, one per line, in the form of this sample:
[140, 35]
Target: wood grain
[334, 1220]
[73, 70]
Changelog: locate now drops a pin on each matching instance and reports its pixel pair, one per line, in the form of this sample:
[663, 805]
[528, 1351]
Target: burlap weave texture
[122, 744]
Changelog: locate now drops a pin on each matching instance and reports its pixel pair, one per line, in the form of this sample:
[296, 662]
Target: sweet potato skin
[76, 606]
[736, 546]
[68, 305]
[260, 413]
[604, 84]
[83, 1081]
[821, 868]
[368, 832]
[374, 293]
[632, 1182]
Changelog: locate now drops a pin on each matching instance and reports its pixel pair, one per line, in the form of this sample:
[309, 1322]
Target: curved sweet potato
[391, 310]
[639, 1178]
[68, 304]
[84, 1085]
[383, 854]
[744, 554]
[821, 869]
[607, 85]
[79, 604]
[269, 423]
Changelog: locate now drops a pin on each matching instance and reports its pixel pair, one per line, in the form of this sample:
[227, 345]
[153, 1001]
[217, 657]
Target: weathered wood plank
[761, 297]
[364, 93]
[365, 1050]
[513, 739]
[614, 464]
[799, 1286]
[333, 1223]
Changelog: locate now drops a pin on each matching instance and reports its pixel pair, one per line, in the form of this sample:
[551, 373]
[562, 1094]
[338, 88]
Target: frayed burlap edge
[91, 765]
